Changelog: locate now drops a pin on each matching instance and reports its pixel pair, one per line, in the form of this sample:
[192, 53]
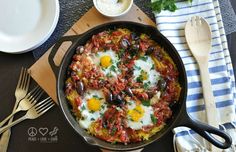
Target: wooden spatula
[198, 36]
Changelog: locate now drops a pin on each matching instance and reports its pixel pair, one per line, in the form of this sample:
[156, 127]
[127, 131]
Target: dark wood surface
[67, 139]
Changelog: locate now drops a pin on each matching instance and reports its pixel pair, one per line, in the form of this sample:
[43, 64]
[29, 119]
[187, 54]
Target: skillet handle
[55, 48]
[207, 131]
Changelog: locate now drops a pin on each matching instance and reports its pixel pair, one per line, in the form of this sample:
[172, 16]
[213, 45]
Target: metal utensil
[20, 93]
[198, 36]
[26, 103]
[33, 113]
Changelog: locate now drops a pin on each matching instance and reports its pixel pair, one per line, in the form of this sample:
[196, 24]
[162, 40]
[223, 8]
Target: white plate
[26, 24]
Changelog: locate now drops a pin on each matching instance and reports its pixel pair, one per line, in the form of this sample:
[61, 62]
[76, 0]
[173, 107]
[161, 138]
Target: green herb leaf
[113, 68]
[146, 102]
[121, 53]
[92, 119]
[154, 119]
[144, 58]
[137, 67]
[113, 131]
[83, 108]
[139, 79]
[146, 85]
[159, 5]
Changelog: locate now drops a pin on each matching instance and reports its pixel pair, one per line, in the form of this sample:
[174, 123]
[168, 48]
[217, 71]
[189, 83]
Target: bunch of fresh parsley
[159, 5]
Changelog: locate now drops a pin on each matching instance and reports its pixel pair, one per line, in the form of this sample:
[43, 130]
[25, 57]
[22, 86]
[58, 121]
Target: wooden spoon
[198, 36]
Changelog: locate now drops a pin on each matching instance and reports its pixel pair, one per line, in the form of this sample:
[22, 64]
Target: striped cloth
[171, 24]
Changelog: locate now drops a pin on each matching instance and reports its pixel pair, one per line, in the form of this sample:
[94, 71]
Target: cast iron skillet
[179, 110]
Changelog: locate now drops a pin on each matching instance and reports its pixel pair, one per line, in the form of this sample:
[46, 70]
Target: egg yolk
[94, 104]
[136, 113]
[144, 75]
[105, 61]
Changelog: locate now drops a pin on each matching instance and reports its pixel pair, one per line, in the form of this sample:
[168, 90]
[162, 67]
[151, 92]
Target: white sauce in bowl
[113, 7]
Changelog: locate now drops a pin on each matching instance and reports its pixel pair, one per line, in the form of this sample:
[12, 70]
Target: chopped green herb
[121, 53]
[113, 68]
[141, 121]
[146, 85]
[83, 108]
[154, 119]
[146, 102]
[92, 119]
[137, 67]
[139, 79]
[95, 96]
[159, 5]
[153, 67]
[113, 131]
[144, 58]
[109, 75]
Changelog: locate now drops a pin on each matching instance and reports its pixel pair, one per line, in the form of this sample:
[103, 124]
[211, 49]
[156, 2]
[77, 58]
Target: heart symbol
[43, 131]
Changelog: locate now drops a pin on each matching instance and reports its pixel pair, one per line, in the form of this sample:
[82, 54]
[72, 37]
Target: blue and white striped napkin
[171, 24]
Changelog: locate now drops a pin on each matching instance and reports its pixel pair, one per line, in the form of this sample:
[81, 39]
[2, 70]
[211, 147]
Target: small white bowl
[108, 14]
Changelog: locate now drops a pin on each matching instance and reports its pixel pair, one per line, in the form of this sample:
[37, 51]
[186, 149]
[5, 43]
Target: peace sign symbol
[32, 131]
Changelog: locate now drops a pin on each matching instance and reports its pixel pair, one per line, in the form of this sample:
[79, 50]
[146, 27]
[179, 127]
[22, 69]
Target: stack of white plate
[26, 24]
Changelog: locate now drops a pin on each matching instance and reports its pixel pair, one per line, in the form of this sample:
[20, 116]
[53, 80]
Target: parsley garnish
[109, 75]
[144, 58]
[146, 85]
[153, 67]
[154, 119]
[139, 79]
[121, 53]
[83, 108]
[92, 119]
[146, 102]
[113, 68]
[159, 5]
[137, 67]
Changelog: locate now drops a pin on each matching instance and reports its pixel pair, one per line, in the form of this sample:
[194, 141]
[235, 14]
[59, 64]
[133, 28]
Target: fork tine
[37, 96]
[24, 79]
[20, 78]
[38, 104]
[45, 106]
[44, 102]
[45, 110]
[27, 81]
[29, 95]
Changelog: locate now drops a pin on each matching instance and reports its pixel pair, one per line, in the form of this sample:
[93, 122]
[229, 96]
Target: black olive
[109, 98]
[129, 92]
[134, 36]
[80, 88]
[118, 100]
[79, 49]
[124, 43]
[150, 50]
[135, 47]
[161, 84]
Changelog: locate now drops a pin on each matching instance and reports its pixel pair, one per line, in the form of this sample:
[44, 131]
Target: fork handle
[12, 124]
[8, 117]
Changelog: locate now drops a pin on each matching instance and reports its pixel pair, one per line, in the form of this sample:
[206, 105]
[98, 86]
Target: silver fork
[26, 103]
[33, 113]
[20, 93]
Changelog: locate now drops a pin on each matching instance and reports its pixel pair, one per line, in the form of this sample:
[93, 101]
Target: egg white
[89, 116]
[112, 70]
[148, 66]
[143, 121]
